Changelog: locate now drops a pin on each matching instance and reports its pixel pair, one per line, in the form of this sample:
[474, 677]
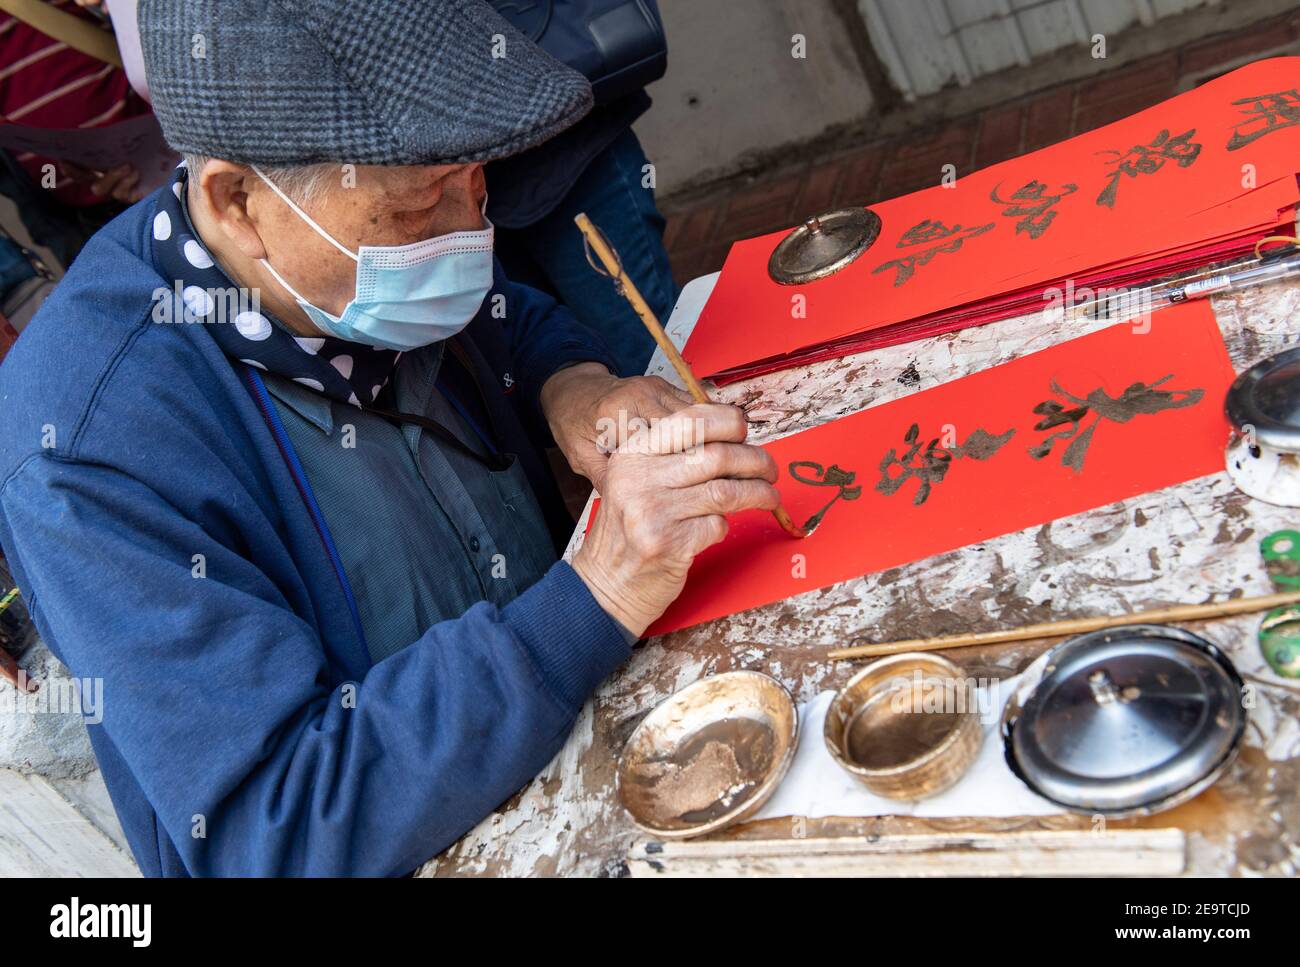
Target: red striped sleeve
[46, 84]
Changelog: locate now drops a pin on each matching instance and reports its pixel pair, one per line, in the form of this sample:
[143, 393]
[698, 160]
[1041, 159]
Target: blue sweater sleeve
[217, 695]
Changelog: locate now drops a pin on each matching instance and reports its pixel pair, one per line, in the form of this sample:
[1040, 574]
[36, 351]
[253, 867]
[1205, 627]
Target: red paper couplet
[1085, 423]
[1201, 176]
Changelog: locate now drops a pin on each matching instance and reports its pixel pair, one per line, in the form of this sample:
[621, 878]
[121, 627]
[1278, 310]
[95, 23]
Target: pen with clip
[1283, 263]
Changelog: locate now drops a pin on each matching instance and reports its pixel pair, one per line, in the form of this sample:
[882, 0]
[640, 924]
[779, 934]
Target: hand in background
[586, 406]
[120, 184]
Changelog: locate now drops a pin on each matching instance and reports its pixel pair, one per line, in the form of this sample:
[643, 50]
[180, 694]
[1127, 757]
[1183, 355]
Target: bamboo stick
[1071, 626]
[627, 288]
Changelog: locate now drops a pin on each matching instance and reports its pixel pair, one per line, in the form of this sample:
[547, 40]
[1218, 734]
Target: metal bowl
[708, 756]
[883, 730]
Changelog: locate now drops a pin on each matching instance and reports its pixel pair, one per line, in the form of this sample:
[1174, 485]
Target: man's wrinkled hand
[665, 498]
[590, 411]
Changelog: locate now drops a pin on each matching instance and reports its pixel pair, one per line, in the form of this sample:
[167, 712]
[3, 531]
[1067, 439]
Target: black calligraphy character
[832, 476]
[1054, 415]
[1267, 113]
[1148, 159]
[931, 465]
[981, 444]
[925, 233]
[1033, 205]
[929, 470]
[1138, 399]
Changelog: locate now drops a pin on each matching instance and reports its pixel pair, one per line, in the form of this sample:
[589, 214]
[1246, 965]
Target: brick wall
[701, 230]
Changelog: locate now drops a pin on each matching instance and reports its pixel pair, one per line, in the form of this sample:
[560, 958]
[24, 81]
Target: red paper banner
[1213, 164]
[1088, 422]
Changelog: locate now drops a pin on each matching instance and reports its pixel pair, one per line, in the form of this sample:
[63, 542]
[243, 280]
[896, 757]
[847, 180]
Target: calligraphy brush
[594, 239]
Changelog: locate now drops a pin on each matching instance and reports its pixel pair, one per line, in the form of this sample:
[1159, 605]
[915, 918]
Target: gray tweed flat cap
[396, 82]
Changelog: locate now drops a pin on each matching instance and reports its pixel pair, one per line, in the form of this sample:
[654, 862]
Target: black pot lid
[1267, 397]
[1126, 720]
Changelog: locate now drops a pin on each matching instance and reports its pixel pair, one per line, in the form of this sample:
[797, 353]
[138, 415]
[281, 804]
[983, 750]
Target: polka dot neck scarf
[346, 371]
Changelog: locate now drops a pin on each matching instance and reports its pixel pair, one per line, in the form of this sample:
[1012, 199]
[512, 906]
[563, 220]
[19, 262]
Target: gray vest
[423, 531]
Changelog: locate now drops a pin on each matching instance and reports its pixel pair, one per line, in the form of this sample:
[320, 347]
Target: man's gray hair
[303, 183]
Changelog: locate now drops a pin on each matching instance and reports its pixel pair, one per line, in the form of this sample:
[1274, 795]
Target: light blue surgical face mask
[407, 296]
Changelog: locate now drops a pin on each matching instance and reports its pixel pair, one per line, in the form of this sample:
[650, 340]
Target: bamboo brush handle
[633, 295]
[628, 288]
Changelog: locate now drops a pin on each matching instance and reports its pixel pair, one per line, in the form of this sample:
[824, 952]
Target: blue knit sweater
[244, 728]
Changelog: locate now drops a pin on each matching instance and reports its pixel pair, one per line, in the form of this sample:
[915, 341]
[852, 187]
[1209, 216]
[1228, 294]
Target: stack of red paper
[1197, 179]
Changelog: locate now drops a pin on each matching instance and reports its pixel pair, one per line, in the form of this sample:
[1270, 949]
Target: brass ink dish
[708, 756]
[906, 727]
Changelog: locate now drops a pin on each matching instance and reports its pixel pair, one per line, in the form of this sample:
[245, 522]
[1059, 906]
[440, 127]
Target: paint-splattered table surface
[1195, 542]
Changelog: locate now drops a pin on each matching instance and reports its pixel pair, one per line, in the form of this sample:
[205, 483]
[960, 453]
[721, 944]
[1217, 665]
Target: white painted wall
[734, 86]
[929, 44]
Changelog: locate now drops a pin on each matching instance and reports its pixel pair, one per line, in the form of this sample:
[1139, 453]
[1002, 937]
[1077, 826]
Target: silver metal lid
[1267, 397]
[1126, 720]
[823, 245]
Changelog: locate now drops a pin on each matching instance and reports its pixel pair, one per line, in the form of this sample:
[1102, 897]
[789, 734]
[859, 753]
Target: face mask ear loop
[304, 216]
[280, 278]
[294, 292]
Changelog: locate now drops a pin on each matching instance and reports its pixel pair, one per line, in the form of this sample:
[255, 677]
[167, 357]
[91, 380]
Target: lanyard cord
[262, 399]
[493, 461]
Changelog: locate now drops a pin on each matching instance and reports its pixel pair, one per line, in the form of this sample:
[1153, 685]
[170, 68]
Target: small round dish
[905, 726]
[708, 756]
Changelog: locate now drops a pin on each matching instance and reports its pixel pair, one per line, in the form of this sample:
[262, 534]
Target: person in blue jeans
[597, 167]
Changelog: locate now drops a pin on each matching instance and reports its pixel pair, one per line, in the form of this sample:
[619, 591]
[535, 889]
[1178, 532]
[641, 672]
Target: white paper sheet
[817, 786]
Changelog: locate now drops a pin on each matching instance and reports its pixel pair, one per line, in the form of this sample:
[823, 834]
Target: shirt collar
[346, 371]
[316, 408]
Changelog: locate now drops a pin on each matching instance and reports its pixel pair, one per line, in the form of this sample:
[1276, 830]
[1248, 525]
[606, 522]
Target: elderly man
[306, 548]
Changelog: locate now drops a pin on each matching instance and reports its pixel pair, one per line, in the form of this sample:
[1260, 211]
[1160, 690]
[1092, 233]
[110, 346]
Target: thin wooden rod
[1071, 626]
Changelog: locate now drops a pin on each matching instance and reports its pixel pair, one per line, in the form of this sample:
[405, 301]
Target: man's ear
[224, 189]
